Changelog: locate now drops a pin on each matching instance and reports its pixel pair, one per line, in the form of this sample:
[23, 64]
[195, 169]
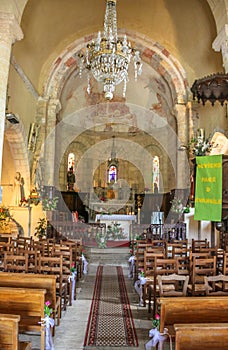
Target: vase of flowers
[199, 146]
[177, 209]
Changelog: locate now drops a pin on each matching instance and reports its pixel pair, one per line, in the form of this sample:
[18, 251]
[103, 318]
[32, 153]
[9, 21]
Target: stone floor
[70, 334]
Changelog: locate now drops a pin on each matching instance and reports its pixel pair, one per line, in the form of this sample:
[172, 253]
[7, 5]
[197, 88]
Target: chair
[162, 266]
[180, 283]
[198, 244]
[139, 258]
[15, 263]
[200, 269]
[148, 269]
[183, 265]
[67, 256]
[54, 266]
[216, 285]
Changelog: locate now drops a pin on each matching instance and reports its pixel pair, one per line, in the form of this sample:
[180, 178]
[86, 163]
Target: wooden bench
[9, 334]
[208, 336]
[47, 282]
[185, 310]
[29, 305]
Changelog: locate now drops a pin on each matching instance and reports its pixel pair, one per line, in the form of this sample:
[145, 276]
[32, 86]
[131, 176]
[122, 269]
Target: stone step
[108, 256]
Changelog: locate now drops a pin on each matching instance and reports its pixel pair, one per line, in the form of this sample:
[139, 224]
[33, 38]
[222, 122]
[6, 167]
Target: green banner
[208, 192]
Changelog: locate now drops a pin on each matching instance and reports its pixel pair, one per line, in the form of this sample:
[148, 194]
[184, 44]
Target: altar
[118, 227]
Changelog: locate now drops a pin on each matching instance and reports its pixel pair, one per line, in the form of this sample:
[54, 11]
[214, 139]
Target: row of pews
[194, 314]
[32, 273]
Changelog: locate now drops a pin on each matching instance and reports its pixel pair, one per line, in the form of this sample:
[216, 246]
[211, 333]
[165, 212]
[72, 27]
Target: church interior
[109, 110]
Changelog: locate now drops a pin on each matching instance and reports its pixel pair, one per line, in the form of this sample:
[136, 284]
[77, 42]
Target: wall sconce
[12, 118]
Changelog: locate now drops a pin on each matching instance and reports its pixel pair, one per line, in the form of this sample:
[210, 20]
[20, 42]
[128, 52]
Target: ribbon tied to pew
[131, 261]
[138, 288]
[157, 338]
[85, 264]
[72, 279]
[48, 323]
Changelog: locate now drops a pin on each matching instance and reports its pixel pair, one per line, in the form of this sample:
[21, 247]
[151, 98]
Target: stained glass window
[71, 161]
[112, 173]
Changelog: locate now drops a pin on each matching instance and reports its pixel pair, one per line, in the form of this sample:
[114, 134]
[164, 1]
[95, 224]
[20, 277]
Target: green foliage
[50, 203]
[47, 310]
[41, 228]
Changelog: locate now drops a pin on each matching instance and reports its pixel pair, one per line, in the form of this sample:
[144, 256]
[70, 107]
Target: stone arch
[152, 53]
[15, 135]
[219, 11]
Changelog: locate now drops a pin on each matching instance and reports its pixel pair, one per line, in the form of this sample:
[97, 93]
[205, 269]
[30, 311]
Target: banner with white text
[208, 194]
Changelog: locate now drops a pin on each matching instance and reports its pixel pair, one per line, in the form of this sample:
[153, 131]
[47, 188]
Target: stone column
[182, 169]
[221, 44]
[10, 31]
[53, 108]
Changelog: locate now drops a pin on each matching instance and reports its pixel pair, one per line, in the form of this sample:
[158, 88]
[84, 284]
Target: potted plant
[41, 228]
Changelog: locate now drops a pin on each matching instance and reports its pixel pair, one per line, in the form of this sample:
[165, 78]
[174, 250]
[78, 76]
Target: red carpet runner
[110, 321]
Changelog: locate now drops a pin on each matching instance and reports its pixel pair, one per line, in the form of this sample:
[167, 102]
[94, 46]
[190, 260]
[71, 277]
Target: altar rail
[75, 230]
[168, 232]
[88, 231]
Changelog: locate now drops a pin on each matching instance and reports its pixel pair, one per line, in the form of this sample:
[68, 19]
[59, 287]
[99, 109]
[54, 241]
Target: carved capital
[10, 30]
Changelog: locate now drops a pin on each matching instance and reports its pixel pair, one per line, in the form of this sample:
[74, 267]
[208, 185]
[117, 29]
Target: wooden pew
[207, 336]
[29, 305]
[9, 334]
[38, 281]
[186, 310]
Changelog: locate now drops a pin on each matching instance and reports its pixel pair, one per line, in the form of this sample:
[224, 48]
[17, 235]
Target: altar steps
[108, 256]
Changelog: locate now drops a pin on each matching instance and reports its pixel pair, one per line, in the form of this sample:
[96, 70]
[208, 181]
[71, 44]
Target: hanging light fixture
[108, 57]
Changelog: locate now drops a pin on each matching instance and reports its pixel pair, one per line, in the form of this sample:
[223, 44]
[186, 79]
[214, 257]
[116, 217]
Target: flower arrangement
[41, 228]
[101, 240]
[47, 310]
[50, 203]
[141, 273]
[200, 147]
[114, 231]
[4, 212]
[72, 268]
[177, 206]
[156, 321]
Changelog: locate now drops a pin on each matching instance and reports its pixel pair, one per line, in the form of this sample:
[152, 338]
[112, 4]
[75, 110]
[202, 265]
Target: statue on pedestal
[70, 179]
[18, 187]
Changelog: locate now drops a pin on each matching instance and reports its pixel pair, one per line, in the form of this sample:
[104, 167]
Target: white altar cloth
[125, 222]
[115, 217]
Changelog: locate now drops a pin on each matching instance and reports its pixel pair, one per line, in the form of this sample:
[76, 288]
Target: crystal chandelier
[108, 57]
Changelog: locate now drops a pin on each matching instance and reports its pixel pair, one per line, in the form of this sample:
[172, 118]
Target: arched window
[156, 172]
[71, 161]
[112, 173]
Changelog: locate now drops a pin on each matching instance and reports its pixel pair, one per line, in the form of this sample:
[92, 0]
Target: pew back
[28, 303]
[184, 310]
[209, 336]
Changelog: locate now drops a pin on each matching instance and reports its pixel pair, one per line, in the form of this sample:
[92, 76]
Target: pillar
[53, 107]
[10, 31]
[182, 168]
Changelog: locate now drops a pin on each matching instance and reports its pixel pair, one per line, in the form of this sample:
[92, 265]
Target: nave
[71, 332]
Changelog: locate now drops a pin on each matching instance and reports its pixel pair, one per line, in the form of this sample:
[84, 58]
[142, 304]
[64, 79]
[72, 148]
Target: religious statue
[219, 144]
[18, 186]
[70, 179]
